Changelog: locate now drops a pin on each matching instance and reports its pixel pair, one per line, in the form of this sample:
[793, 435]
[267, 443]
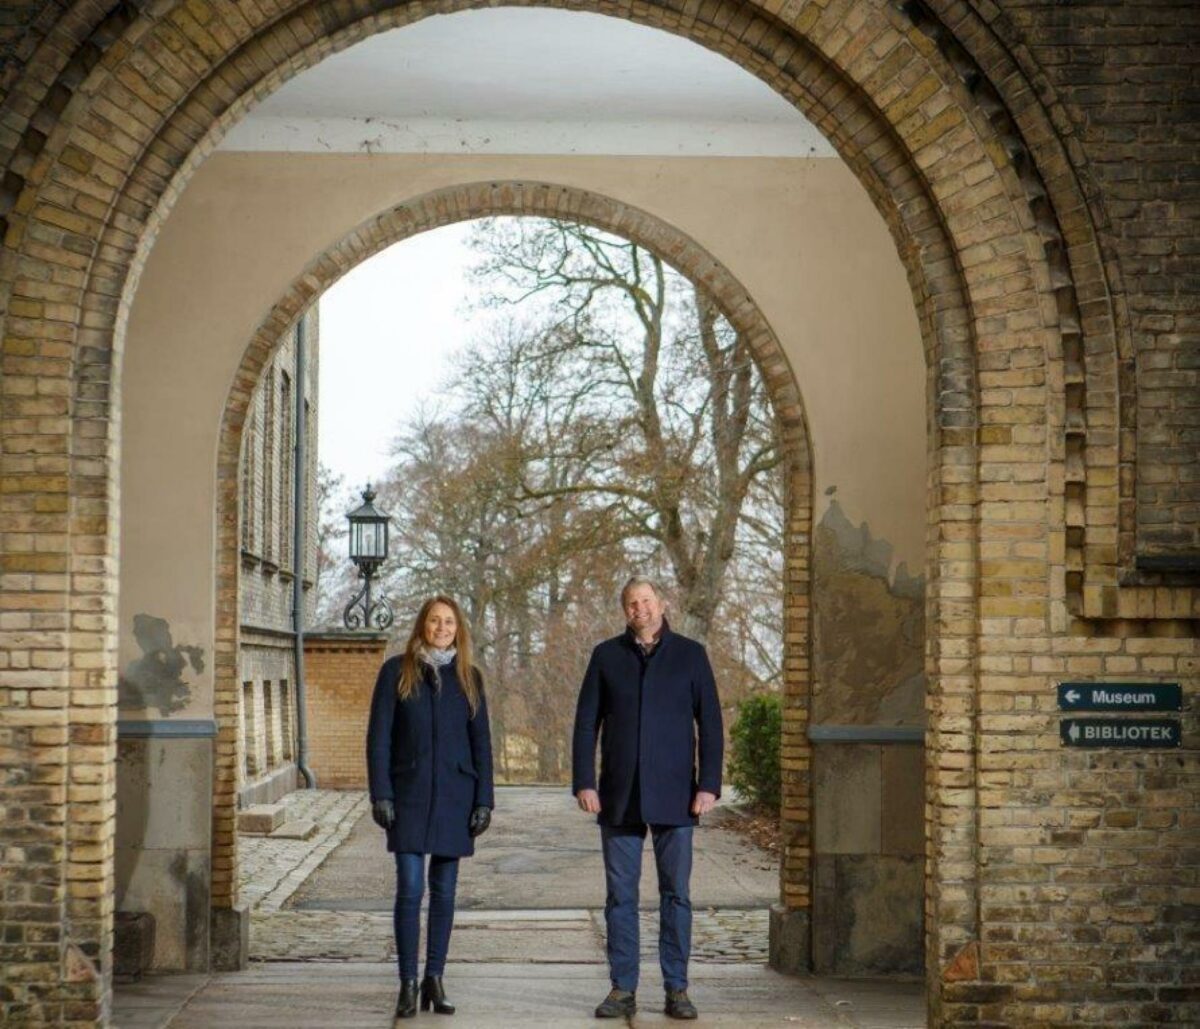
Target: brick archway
[117, 107]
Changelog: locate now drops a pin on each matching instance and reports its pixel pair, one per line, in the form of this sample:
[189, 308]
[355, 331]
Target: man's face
[643, 609]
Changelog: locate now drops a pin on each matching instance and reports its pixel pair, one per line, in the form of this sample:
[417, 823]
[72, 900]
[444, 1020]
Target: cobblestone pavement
[721, 934]
[271, 870]
[511, 936]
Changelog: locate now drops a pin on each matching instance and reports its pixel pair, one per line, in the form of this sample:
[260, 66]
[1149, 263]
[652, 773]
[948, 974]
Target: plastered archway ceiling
[528, 80]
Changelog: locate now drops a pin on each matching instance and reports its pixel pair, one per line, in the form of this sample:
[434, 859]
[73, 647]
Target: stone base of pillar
[133, 945]
[788, 940]
[230, 940]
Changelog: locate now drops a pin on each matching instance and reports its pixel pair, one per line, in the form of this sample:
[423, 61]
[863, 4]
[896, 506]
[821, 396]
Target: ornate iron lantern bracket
[368, 550]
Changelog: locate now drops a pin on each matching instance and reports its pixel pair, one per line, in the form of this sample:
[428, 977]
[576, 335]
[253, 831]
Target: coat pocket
[463, 766]
[401, 767]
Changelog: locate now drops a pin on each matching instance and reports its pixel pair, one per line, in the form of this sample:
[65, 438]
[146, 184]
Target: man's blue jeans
[622, 873]
[410, 885]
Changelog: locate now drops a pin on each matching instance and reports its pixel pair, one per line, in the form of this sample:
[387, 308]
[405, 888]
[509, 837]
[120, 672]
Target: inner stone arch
[463, 203]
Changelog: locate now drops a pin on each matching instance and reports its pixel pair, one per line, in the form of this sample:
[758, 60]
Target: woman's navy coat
[659, 722]
[431, 758]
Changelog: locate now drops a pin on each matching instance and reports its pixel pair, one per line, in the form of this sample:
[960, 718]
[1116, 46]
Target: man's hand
[703, 803]
[384, 813]
[589, 801]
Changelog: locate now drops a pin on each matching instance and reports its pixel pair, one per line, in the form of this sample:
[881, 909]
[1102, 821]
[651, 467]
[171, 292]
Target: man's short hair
[641, 580]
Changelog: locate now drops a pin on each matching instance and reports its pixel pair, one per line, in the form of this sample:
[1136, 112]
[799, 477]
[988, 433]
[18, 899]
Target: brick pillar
[790, 930]
[339, 673]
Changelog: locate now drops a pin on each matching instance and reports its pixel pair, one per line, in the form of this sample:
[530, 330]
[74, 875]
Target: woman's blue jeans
[410, 886]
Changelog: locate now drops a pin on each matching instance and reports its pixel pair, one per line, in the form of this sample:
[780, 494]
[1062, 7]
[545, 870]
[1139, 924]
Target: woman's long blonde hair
[412, 668]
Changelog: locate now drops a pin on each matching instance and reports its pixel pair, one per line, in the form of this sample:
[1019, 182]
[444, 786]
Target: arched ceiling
[528, 80]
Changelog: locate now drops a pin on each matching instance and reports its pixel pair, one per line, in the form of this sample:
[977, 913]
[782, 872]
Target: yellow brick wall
[340, 671]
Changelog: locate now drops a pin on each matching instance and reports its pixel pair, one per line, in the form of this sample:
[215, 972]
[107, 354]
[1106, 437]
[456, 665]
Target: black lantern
[368, 550]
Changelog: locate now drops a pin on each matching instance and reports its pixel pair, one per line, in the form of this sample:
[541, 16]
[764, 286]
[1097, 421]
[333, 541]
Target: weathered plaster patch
[868, 629]
[156, 678]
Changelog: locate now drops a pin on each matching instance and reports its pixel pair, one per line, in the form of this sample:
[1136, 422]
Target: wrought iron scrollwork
[363, 612]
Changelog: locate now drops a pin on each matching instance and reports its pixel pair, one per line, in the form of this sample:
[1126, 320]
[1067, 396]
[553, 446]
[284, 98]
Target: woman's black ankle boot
[433, 993]
[406, 1003]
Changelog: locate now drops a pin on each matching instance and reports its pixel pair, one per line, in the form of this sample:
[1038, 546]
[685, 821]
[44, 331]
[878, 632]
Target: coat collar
[664, 635]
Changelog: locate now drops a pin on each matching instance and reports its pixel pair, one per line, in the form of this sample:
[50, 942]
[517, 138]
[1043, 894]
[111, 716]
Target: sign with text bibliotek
[1120, 732]
[1120, 696]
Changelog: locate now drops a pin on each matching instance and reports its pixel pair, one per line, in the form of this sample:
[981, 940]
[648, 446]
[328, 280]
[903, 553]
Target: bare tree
[609, 418]
[462, 525]
[331, 581]
[676, 401]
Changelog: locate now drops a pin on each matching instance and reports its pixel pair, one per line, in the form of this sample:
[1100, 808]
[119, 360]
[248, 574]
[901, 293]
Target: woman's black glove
[384, 813]
[481, 818]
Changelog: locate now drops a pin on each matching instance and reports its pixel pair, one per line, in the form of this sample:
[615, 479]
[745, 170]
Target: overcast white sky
[386, 331]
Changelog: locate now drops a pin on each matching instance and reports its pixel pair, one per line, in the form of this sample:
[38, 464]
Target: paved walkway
[271, 870]
[541, 852]
[534, 891]
[528, 946]
[347, 994]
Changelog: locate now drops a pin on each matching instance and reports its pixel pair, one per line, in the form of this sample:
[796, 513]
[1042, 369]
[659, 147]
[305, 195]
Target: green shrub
[754, 750]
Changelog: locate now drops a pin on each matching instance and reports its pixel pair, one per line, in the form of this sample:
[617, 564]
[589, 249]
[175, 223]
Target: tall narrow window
[287, 461]
[249, 462]
[249, 730]
[268, 469]
[305, 564]
[269, 723]
[285, 720]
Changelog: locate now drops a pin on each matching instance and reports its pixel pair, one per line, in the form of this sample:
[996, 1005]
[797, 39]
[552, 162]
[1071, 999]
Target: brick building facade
[1035, 162]
[268, 567]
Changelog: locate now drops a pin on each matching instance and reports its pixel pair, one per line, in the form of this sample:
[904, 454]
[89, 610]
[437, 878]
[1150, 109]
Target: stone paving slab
[362, 995]
[153, 1001]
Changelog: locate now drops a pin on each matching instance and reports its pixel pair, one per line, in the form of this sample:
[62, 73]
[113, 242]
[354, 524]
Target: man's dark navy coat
[431, 758]
[659, 724]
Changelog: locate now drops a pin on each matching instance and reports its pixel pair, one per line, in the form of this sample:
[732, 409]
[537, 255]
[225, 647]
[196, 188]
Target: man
[649, 695]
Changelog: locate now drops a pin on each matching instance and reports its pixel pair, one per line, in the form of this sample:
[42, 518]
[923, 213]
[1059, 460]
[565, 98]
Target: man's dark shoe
[618, 1004]
[678, 1005]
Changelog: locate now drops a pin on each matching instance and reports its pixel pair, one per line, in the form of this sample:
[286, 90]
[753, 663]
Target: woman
[429, 764]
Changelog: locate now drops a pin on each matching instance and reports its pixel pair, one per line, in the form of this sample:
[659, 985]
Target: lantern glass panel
[368, 535]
